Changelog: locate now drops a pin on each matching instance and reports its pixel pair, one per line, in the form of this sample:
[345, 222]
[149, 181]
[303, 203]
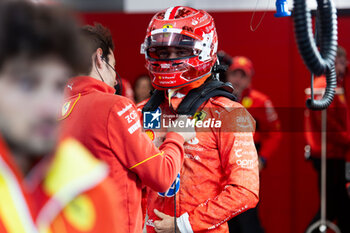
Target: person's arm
[240, 189]
[156, 168]
[268, 132]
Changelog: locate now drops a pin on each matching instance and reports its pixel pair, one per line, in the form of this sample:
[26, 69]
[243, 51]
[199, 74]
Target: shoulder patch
[65, 108]
[68, 107]
[200, 116]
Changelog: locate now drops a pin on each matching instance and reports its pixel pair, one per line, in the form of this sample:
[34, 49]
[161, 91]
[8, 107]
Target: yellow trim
[73, 171]
[8, 211]
[71, 109]
[14, 212]
[72, 161]
[161, 153]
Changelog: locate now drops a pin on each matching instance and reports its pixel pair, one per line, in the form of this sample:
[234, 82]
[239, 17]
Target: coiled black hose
[318, 62]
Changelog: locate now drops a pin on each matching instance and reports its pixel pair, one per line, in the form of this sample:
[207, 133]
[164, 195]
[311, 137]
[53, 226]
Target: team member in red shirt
[338, 145]
[267, 136]
[109, 126]
[142, 88]
[45, 187]
[219, 179]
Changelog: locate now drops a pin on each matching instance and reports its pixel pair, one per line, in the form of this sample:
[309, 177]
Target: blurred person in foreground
[267, 137]
[44, 187]
[338, 145]
[219, 179]
[142, 88]
[109, 126]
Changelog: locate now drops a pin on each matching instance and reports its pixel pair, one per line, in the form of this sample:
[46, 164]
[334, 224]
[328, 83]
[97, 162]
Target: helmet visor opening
[169, 52]
[170, 46]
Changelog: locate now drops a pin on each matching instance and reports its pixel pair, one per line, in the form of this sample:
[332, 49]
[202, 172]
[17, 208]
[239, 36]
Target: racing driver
[219, 178]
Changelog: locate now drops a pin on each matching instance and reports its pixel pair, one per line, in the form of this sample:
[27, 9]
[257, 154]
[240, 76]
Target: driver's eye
[163, 54]
[183, 53]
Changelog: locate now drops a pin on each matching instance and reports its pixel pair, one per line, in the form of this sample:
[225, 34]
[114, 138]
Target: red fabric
[101, 197]
[6, 157]
[144, 206]
[104, 209]
[109, 126]
[338, 126]
[267, 136]
[213, 187]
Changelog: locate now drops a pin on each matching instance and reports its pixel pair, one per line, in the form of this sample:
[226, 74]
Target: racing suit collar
[175, 99]
[82, 84]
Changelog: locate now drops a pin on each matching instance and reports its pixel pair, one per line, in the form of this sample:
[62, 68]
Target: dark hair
[341, 52]
[98, 36]
[225, 60]
[37, 30]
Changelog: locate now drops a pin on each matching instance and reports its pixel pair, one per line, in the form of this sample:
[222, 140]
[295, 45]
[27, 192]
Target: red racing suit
[69, 192]
[219, 178]
[267, 136]
[109, 126]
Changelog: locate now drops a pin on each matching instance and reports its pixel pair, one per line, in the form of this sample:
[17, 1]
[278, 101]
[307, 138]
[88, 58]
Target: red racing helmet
[191, 35]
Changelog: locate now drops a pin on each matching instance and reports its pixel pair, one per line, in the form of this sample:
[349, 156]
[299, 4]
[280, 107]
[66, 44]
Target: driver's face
[170, 52]
[341, 64]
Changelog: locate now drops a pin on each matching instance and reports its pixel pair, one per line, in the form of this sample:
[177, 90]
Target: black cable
[318, 62]
[119, 81]
[98, 71]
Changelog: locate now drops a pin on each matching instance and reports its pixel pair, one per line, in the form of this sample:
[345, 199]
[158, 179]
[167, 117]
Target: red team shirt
[267, 135]
[109, 126]
[338, 126]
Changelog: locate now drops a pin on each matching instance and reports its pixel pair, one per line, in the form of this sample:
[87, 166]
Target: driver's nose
[172, 55]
